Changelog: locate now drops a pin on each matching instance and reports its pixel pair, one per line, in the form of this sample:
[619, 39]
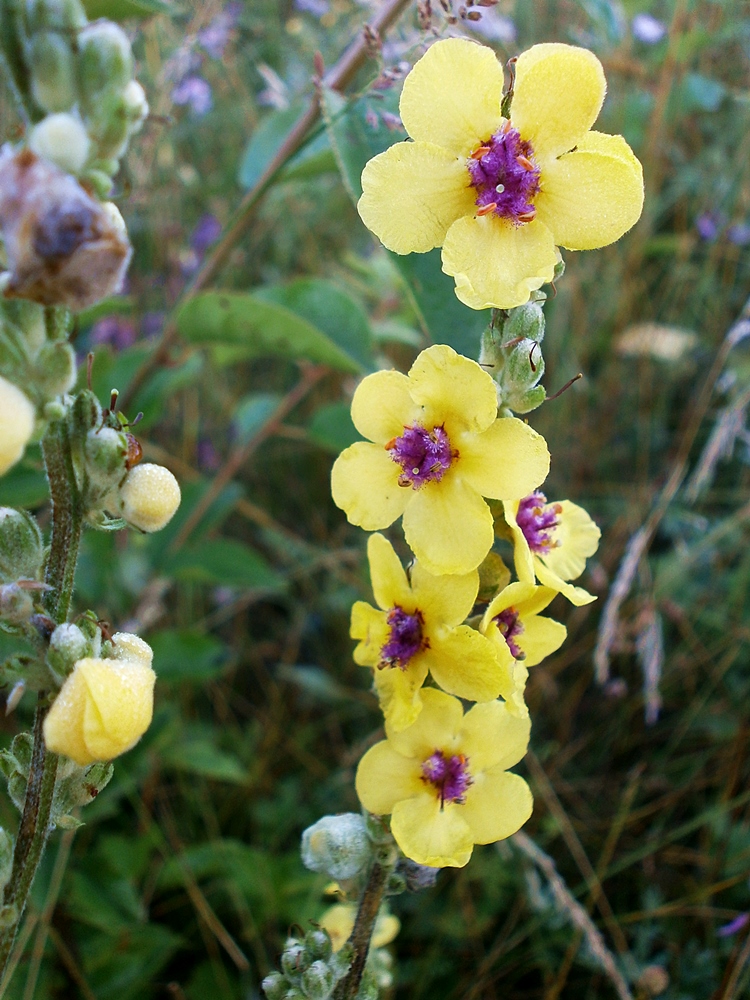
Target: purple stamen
[405, 639]
[449, 776]
[537, 520]
[425, 456]
[506, 177]
[509, 625]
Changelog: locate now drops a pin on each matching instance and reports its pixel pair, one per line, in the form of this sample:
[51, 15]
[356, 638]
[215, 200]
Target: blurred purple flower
[739, 234]
[208, 457]
[116, 331]
[316, 7]
[648, 29]
[215, 37]
[196, 92]
[734, 925]
[152, 324]
[206, 232]
[495, 26]
[707, 225]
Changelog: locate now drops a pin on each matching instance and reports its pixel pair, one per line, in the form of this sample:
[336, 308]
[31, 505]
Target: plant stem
[67, 523]
[367, 914]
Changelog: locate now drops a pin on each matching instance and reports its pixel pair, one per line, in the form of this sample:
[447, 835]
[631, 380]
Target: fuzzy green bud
[105, 452]
[67, 645]
[523, 368]
[21, 546]
[85, 415]
[52, 64]
[525, 321]
[105, 61]
[6, 856]
[135, 105]
[318, 981]
[55, 369]
[525, 401]
[8, 916]
[294, 960]
[16, 604]
[318, 943]
[55, 15]
[62, 139]
[274, 986]
[336, 845]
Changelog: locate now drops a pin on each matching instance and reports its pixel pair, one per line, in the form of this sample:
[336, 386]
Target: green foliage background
[186, 877]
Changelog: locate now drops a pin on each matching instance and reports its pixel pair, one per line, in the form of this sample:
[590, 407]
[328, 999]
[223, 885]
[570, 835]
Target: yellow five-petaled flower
[500, 194]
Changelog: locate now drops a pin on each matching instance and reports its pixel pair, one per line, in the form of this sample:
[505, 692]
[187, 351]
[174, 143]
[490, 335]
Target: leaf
[160, 542]
[314, 158]
[120, 10]
[253, 412]
[260, 328]
[199, 755]
[329, 309]
[187, 655]
[332, 428]
[23, 486]
[224, 561]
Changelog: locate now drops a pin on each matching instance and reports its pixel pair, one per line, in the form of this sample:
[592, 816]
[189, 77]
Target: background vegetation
[186, 877]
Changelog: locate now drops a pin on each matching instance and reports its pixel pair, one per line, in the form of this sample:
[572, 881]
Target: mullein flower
[418, 630]
[496, 193]
[149, 497]
[339, 920]
[436, 447]
[444, 780]
[551, 543]
[17, 417]
[521, 636]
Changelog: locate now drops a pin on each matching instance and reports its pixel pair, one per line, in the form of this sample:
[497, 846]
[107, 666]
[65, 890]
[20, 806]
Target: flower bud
[62, 139]
[127, 646]
[274, 986]
[6, 857]
[149, 497]
[336, 845]
[17, 417]
[50, 59]
[135, 105]
[525, 321]
[318, 981]
[16, 604]
[55, 15]
[67, 645]
[21, 546]
[55, 369]
[294, 959]
[318, 943]
[105, 61]
[105, 451]
[102, 710]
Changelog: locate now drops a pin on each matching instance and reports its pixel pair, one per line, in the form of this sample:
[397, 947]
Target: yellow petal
[536, 601]
[399, 693]
[412, 193]
[436, 728]
[522, 557]
[382, 406]
[576, 595]
[497, 806]
[577, 537]
[492, 737]
[429, 835]
[119, 705]
[559, 91]
[496, 264]
[447, 600]
[339, 922]
[509, 597]
[507, 462]
[452, 96]
[63, 727]
[540, 637]
[453, 390]
[364, 484]
[389, 583]
[369, 626]
[505, 660]
[448, 526]
[387, 927]
[463, 663]
[17, 416]
[590, 197]
[385, 777]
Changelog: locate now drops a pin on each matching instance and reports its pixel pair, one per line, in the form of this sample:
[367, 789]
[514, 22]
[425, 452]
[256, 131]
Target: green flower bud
[523, 369]
[105, 62]
[105, 452]
[16, 604]
[108, 126]
[293, 993]
[336, 845]
[135, 105]
[13, 43]
[21, 546]
[274, 986]
[6, 857]
[17, 790]
[526, 401]
[318, 943]
[318, 981]
[368, 988]
[55, 369]
[294, 960]
[67, 645]
[55, 15]
[8, 915]
[525, 321]
[53, 84]
[85, 414]
[61, 138]
[100, 181]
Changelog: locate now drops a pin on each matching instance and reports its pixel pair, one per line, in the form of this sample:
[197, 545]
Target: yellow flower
[17, 416]
[521, 636]
[149, 497]
[439, 447]
[551, 542]
[444, 780]
[499, 194]
[339, 922]
[418, 631]
[103, 708]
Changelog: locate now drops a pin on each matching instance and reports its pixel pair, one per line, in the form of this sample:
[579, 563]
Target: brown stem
[367, 914]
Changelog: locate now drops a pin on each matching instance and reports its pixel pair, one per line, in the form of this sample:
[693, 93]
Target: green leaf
[224, 561]
[120, 10]
[260, 328]
[23, 486]
[253, 412]
[332, 428]
[187, 655]
[199, 755]
[314, 158]
[329, 309]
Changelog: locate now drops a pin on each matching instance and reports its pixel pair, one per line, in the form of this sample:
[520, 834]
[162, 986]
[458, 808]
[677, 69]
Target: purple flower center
[510, 625]
[425, 456]
[537, 519]
[505, 175]
[449, 776]
[405, 639]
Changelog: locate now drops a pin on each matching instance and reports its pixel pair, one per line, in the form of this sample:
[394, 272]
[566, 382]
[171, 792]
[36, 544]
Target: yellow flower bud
[62, 138]
[149, 496]
[17, 415]
[102, 710]
[127, 646]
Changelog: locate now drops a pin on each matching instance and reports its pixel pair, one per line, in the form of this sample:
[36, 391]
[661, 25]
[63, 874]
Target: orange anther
[486, 209]
[480, 152]
[527, 216]
[525, 162]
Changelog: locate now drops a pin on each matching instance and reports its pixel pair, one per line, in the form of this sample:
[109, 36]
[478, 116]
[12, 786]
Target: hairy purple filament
[405, 639]
[425, 456]
[510, 625]
[505, 176]
[449, 776]
[537, 520]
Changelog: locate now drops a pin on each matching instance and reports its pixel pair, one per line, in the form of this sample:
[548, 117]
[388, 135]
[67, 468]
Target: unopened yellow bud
[149, 496]
[127, 646]
[62, 138]
[102, 710]
[17, 415]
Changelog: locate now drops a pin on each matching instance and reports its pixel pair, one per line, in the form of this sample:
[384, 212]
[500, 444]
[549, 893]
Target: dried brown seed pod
[63, 247]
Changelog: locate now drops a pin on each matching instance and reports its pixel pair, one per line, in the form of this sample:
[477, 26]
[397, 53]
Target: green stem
[67, 523]
[367, 914]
